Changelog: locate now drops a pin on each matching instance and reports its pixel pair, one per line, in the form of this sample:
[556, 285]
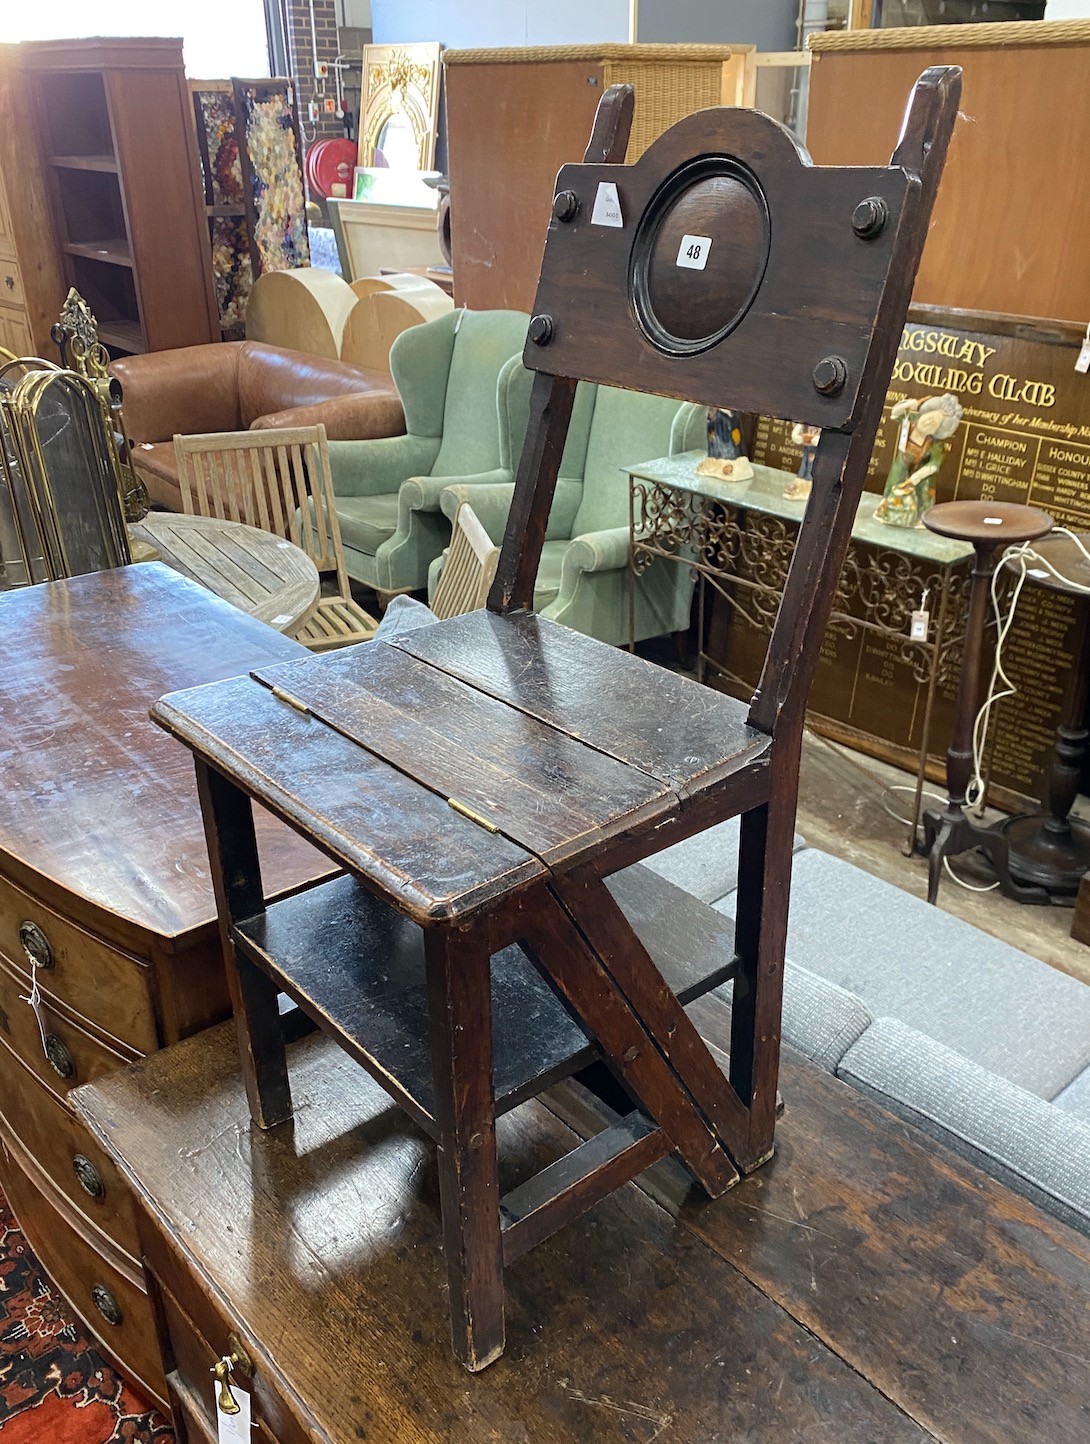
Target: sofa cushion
[705, 865]
[1075, 1098]
[1012, 1134]
[272, 379]
[820, 1019]
[993, 1004]
[367, 521]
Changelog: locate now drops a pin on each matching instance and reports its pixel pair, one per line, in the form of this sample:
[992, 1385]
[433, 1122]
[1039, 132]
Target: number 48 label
[693, 252]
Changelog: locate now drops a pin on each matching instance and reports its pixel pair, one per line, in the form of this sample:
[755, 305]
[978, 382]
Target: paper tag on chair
[235, 1428]
[607, 206]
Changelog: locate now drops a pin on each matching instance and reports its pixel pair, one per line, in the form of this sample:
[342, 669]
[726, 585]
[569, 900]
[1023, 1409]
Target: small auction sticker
[235, 1428]
[607, 206]
[693, 252]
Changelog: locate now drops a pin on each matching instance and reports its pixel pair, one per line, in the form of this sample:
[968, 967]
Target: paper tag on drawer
[235, 1428]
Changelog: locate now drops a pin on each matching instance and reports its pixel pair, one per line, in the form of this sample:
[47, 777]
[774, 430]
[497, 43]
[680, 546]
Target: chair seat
[336, 622]
[540, 735]
[367, 521]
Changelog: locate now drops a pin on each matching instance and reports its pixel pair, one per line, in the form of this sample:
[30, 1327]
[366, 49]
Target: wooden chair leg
[459, 985]
[573, 968]
[236, 877]
[602, 922]
[764, 882]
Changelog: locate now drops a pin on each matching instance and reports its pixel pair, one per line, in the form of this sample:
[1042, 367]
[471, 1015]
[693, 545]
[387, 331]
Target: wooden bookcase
[119, 157]
[31, 285]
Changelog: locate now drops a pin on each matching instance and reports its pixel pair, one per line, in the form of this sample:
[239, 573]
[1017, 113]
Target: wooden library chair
[469, 566]
[487, 782]
[272, 480]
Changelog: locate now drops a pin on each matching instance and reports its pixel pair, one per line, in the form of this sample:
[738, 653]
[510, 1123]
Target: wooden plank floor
[864, 1286]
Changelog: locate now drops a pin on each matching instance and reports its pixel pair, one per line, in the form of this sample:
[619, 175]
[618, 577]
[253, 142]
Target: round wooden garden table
[256, 571]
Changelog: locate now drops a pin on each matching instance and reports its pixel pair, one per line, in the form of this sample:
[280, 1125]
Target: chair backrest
[483, 342]
[724, 268]
[274, 480]
[469, 567]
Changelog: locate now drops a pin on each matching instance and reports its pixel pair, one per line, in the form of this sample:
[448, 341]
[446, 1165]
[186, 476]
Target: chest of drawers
[105, 900]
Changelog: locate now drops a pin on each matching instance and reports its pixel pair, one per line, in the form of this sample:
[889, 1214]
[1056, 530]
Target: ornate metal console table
[738, 537]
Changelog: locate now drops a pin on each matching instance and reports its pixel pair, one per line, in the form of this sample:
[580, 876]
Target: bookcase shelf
[121, 170]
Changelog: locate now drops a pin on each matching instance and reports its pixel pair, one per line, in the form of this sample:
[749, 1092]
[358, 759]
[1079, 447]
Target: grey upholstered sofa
[965, 1036]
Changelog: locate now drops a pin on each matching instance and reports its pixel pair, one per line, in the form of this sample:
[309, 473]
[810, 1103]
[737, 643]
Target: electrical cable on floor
[1000, 686]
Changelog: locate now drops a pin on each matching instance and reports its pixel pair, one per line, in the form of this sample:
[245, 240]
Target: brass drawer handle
[106, 1304]
[90, 1179]
[35, 945]
[58, 1056]
[237, 1361]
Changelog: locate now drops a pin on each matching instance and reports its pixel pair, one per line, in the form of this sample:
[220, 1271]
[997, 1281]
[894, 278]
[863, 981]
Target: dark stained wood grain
[357, 809]
[817, 297]
[458, 972]
[624, 1327]
[561, 676]
[626, 1036]
[551, 405]
[236, 875]
[99, 810]
[365, 982]
[543, 790]
[377, 740]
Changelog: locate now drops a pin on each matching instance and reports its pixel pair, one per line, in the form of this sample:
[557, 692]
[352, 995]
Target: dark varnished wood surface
[622, 1327]
[864, 1286]
[408, 842]
[366, 980]
[99, 811]
[563, 677]
[545, 791]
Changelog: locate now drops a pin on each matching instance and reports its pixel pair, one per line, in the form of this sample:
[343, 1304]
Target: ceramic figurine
[926, 427]
[726, 458]
[807, 438]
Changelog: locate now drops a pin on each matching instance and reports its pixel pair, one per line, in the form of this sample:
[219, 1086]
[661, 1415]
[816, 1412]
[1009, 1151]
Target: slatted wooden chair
[487, 782]
[273, 480]
[469, 567]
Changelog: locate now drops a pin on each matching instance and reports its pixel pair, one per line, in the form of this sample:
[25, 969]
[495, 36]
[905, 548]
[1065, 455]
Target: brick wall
[301, 58]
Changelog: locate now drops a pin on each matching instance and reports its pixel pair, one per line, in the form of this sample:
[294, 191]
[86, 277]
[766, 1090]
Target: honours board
[1024, 436]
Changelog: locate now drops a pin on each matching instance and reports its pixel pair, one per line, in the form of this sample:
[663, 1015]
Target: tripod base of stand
[950, 833]
[1054, 857]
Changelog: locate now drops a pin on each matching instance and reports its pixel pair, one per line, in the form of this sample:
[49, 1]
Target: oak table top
[866, 1285]
[260, 573]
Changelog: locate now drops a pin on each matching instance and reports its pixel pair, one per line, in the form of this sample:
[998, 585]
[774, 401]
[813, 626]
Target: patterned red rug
[54, 1386]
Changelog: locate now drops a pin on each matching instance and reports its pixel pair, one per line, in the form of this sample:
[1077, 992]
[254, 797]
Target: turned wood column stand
[1050, 848]
[987, 525]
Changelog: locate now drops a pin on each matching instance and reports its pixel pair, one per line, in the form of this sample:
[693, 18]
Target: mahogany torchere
[481, 780]
[987, 525]
[1051, 848]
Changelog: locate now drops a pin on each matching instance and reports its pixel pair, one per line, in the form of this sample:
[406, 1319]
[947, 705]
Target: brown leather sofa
[242, 386]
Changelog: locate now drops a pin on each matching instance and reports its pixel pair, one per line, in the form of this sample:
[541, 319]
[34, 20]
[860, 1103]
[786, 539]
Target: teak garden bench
[484, 782]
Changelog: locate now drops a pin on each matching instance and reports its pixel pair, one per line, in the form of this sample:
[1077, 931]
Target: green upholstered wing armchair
[460, 381]
[583, 577]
